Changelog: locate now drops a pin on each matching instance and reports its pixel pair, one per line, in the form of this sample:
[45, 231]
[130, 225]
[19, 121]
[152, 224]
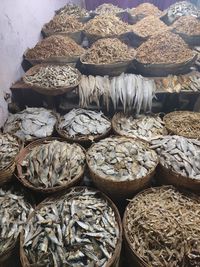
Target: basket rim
[48, 32]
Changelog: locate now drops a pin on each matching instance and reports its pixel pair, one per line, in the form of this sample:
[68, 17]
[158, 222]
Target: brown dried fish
[73, 10]
[108, 8]
[146, 9]
[188, 25]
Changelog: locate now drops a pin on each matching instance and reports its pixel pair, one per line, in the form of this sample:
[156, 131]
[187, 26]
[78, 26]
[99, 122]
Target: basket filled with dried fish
[83, 126]
[9, 148]
[162, 227]
[108, 56]
[51, 79]
[51, 165]
[121, 166]
[179, 161]
[141, 127]
[163, 54]
[66, 25]
[14, 211]
[79, 228]
[54, 49]
[108, 8]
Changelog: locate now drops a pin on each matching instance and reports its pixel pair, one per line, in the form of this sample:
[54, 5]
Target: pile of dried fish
[142, 127]
[80, 123]
[133, 91]
[108, 8]
[184, 123]
[63, 23]
[164, 48]
[73, 10]
[9, 148]
[188, 25]
[78, 229]
[53, 164]
[108, 51]
[14, 212]
[182, 8]
[163, 227]
[31, 123]
[149, 26]
[121, 159]
[106, 26]
[179, 154]
[55, 46]
[52, 76]
[145, 9]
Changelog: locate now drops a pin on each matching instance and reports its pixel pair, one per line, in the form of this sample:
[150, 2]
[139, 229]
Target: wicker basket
[45, 191]
[76, 36]
[49, 91]
[113, 262]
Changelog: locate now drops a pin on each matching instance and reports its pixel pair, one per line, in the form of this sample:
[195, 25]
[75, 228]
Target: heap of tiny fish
[145, 9]
[121, 159]
[9, 148]
[188, 25]
[53, 164]
[31, 123]
[163, 227]
[78, 229]
[80, 122]
[133, 91]
[182, 8]
[179, 154]
[142, 127]
[72, 10]
[108, 8]
[53, 76]
[14, 212]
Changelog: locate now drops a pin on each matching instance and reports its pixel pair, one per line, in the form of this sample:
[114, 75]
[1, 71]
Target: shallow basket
[75, 181]
[49, 91]
[76, 36]
[191, 40]
[113, 262]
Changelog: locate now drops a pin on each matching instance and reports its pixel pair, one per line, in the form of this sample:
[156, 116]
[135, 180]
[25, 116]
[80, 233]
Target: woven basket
[76, 36]
[49, 91]
[113, 262]
[75, 181]
[192, 40]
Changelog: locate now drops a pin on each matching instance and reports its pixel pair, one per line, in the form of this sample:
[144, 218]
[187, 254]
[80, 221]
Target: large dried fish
[78, 229]
[188, 25]
[53, 164]
[73, 10]
[179, 154]
[31, 123]
[80, 123]
[163, 227]
[14, 212]
[121, 159]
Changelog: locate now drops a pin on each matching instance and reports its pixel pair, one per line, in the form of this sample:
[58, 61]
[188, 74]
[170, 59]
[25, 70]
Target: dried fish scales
[55, 46]
[108, 8]
[188, 25]
[77, 229]
[121, 159]
[108, 51]
[146, 9]
[73, 10]
[162, 226]
[164, 48]
[53, 164]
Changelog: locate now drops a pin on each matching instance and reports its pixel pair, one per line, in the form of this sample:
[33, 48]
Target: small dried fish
[53, 164]
[121, 159]
[188, 25]
[80, 122]
[179, 154]
[78, 229]
[145, 9]
[108, 8]
[14, 212]
[73, 10]
[31, 123]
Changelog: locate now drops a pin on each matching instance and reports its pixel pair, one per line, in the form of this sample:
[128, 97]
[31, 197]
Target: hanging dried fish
[142, 127]
[163, 227]
[53, 164]
[80, 123]
[31, 123]
[121, 159]
[179, 154]
[73, 10]
[77, 229]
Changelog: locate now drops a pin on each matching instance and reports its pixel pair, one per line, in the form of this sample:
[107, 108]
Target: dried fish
[9, 148]
[142, 127]
[145, 9]
[31, 123]
[78, 229]
[179, 154]
[121, 159]
[163, 227]
[80, 123]
[53, 164]
[14, 212]
[108, 8]
[73, 10]
[188, 25]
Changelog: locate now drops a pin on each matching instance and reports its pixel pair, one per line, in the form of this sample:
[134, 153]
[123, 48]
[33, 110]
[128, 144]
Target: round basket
[113, 262]
[75, 181]
[192, 40]
[76, 36]
[92, 38]
[49, 91]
